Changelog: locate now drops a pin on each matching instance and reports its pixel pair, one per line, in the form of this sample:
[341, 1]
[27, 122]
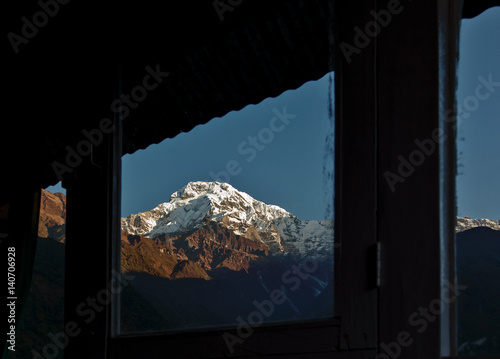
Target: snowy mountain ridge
[465, 223]
[199, 203]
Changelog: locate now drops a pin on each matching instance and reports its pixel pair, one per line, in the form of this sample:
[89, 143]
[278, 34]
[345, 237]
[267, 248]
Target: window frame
[347, 335]
[368, 140]
[422, 260]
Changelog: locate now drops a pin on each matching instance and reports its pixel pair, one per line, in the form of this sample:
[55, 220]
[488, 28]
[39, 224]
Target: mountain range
[204, 255]
[215, 225]
[214, 242]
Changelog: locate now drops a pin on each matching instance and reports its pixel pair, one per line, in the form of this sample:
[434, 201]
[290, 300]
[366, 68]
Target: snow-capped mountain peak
[199, 203]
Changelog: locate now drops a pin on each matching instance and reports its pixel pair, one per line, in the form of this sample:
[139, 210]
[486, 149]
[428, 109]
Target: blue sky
[478, 184]
[286, 169]
[283, 165]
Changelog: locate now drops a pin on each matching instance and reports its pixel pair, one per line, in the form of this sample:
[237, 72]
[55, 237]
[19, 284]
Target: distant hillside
[478, 267]
[52, 219]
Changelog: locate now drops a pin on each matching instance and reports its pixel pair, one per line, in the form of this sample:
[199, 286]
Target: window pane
[232, 222]
[42, 318]
[478, 192]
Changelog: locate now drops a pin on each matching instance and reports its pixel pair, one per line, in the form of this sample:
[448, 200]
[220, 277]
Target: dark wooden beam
[88, 285]
[355, 185]
[409, 112]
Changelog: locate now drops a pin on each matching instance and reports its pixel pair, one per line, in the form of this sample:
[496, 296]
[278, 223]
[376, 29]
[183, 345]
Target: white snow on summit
[198, 203]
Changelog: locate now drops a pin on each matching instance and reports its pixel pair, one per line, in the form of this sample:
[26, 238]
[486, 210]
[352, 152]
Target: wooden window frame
[351, 338]
[390, 83]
